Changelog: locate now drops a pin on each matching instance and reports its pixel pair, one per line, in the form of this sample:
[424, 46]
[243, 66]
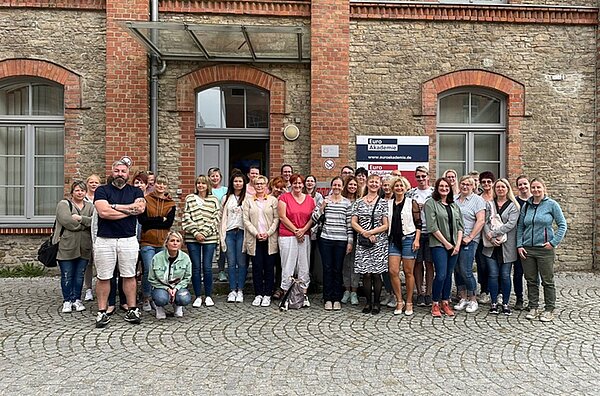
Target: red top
[298, 214]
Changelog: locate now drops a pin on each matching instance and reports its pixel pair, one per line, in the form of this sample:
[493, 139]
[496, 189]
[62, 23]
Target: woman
[335, 242]
[500, 257]
[232, 236]
[404, 235]
[72, 233]
[151, 182]
[140, 181]
[351, 278]
[277, 187]
[386, 193]
[92, 183]
[370, 220]
[536, 242]
[170, 273]
[219, 191]
[486, 181]
[472, 208]
[445, 225]
[261, 222]
[295, 209]
[310, 188]
[524, 194]
[452, 177]
[201, 224]
[156, 221]
[361, 175]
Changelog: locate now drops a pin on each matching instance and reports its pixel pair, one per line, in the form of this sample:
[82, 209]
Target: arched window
[471, 129]
[31, 149]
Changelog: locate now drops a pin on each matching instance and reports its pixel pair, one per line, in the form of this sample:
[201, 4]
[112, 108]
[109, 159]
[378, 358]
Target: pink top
[298, 214]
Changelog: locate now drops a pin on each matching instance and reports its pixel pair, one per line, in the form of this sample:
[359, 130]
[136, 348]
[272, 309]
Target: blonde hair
[510, 195]
[172, 234]
[401, 179]
[92, 176]
[204, 180]
[541, 181]
[469, 177]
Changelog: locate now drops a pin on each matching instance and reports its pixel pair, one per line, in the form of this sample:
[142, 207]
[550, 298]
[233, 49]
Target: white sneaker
[240, 297]
[532, 314]
[197, 302]
[160, 313]
[67, 307]
[266, 301]
[257, 301]
[146, 307]
[462, 304]
[78, 305]
[231, 296]
[209, 301]
[547, 316]
[484, 298]
[392, 302]
[306, 302]
[88, 295]
[178, 311]
[472, 306]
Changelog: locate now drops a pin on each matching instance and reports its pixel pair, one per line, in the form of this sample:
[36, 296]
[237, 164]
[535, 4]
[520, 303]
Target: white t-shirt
[420, 196]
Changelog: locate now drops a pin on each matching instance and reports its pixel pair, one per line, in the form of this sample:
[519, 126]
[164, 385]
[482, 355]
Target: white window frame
[30, 123]
[470, 130]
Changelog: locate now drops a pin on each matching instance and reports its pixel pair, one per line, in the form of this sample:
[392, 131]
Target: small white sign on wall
[330, 151]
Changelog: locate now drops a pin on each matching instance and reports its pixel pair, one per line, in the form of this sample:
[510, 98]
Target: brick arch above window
[515, 104]
[50, 71]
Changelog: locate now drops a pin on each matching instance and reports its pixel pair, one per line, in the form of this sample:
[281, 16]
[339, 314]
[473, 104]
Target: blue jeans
[496, 270]
[465, 278]
[71, 278]
[147, 252]
[263, 269]
[444, 264]
[518, 279]
[332, 259]
[202, 256]
[236, 260]
[161, 297]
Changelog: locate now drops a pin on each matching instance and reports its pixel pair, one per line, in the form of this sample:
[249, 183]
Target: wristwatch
[114, 206]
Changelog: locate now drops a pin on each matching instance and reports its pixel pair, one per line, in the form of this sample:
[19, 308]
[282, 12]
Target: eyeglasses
[347, 173]
[420, 177]
[486, 182]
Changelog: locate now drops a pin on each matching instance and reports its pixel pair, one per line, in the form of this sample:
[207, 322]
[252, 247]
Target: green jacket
[160, 274]
[76, 240]
[437, 220]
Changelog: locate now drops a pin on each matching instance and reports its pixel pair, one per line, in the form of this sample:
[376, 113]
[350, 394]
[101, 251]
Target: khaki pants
[540, 261]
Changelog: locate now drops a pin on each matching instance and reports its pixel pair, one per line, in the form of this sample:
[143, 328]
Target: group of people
[365, 227]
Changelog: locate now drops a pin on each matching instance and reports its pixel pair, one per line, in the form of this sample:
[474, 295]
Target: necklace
[370, 200]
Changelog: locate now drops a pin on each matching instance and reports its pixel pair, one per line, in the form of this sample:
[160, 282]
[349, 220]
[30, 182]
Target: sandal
[399, 306]
[409, 309]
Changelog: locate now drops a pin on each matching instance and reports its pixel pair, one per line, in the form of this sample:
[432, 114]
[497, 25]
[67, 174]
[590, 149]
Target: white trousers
[295, 257]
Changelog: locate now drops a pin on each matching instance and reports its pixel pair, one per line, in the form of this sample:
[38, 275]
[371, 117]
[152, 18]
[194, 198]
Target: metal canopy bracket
[223, 43]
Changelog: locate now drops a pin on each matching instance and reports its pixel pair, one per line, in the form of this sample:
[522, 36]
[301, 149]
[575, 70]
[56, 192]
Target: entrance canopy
[223, 43]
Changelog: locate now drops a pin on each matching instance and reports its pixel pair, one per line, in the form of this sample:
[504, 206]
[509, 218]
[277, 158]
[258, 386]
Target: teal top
[536, 221]
[162, 273]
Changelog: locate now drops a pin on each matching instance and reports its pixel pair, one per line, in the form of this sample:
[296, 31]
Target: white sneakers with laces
[266, 301]
[78, 305]
[240, 297]
[67, 307]
[197, 302]
[160, 313]
[232, 296]
[257, 301]
[472, 306]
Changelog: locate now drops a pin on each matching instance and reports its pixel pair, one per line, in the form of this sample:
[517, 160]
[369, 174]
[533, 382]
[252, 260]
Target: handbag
[362, 240]
[495, 224]
[47, 253]
[319, 226]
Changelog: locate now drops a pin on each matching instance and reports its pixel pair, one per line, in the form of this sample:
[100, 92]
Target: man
[253, 173]
[347, 170]
[286, 173]
[118, 205]
[420, 194]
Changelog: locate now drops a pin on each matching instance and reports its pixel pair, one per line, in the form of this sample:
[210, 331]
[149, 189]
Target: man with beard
[118, 205]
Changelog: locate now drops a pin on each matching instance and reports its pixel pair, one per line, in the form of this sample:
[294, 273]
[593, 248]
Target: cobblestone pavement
[238, 349]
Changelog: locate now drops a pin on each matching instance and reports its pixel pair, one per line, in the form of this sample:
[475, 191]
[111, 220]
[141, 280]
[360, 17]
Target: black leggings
[372, 282]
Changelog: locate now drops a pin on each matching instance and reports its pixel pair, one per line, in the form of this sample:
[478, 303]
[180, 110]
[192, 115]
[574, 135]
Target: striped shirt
[201, 216]
[469, 208]
[338, 220]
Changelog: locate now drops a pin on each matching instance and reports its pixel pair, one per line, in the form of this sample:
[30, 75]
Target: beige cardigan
[251, 213]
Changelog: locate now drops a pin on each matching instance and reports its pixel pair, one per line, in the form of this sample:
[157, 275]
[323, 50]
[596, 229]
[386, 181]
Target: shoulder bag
[47, 253]
[495, 223]
[362, 240]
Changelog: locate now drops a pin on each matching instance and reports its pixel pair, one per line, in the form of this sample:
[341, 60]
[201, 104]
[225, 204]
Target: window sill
[26, 231]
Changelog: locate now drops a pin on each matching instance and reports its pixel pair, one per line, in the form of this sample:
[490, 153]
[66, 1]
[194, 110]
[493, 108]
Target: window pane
[487, 147]
[49, 141]
[12, 171]
[14, 99]
[47, 100]
[452, 147]
[49, 171]
[485, 110]
[12, 140]
[12, 156]
[457, 166]
[46, 199]
[257, 107]
[209, 109]
[454, 109]
[493, 167]
[234, 107]
[11, 201]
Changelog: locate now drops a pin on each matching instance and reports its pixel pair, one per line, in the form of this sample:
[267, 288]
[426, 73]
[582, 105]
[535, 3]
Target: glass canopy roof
[223, 43]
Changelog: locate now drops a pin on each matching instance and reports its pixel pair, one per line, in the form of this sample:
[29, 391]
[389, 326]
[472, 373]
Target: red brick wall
[329, 123]
[186, 100]
[515, 103]
[127, 122]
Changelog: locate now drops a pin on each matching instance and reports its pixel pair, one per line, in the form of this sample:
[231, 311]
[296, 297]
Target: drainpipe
[154, 73]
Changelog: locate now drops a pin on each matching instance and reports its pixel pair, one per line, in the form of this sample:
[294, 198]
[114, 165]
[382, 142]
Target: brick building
[510, 87]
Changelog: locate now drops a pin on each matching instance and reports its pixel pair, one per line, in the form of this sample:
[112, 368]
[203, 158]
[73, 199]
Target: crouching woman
[170, 274]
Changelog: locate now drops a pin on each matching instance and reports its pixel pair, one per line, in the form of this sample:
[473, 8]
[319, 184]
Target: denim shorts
[407, 248]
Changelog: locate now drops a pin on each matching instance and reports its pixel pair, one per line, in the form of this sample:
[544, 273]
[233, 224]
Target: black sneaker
[421, 300]
[102, 319]
[506, 310]
[133, 316]
[428, 301]
[519, 305]
[494, 309]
